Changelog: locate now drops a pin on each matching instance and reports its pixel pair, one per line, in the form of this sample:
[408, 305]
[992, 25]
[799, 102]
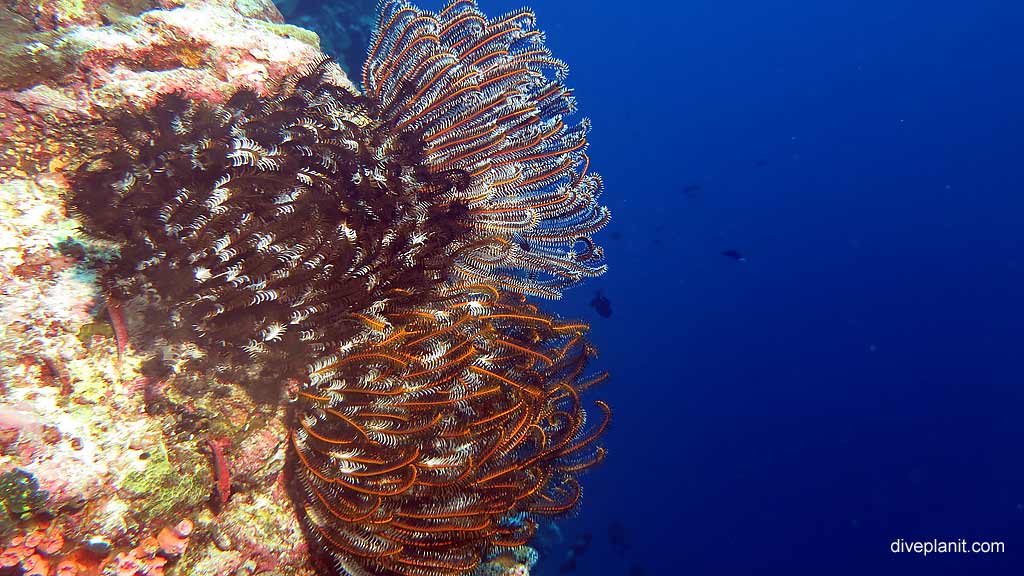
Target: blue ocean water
[856, 378]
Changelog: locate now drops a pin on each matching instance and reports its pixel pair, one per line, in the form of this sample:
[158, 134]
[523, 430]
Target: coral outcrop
[68, 64]
[101, 466]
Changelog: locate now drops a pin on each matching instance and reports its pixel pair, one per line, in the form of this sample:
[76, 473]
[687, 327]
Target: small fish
[577, 549]
[582, 543]
[735, 255]
[617, 537]
[659, 231]
[120, 329]
[221, 472]
[602, 305]
[521, 242]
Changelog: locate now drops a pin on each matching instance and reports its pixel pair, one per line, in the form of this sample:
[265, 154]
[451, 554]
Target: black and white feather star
[378, 248]
[257, 221]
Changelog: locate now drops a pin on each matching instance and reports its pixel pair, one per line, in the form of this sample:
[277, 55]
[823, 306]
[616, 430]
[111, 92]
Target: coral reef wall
[313, 323]
[101, 466]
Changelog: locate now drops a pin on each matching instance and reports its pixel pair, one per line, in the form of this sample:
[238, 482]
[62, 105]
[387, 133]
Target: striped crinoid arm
[262, 222]
[486, 99]
[219, 209]
[443, 433]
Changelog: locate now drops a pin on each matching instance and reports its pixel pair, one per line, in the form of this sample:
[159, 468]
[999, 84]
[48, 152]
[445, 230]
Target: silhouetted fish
[617, 537]
[735, 255]
[575, 551]
[658, 239]
[602, 305]
[582, 543]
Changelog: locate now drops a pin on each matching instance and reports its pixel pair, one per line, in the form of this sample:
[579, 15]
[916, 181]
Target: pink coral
[68, 568]
[35, 565]
[184, 528]
[136, 562]
[11, 557]
[51, 543]
[36, 553]
[174, 541]
[31, 551]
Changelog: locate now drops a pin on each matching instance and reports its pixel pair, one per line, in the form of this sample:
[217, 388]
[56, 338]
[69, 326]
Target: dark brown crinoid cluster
[379, 248]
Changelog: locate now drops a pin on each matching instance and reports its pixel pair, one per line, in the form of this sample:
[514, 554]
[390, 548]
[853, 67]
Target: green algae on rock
[165, 488]
[20, 499]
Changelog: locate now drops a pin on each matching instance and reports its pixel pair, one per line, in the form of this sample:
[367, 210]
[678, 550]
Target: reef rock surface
[102, 469]
[66, 64]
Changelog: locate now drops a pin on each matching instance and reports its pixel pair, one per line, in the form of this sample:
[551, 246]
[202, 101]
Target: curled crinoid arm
[486, 98]
[437, 430]
[257, 221]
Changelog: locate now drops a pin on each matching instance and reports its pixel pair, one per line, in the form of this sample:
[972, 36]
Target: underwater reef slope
[99, 464]
[318, 299]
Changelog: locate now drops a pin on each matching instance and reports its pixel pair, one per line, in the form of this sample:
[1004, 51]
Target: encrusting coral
[366, 256]
[43, 551]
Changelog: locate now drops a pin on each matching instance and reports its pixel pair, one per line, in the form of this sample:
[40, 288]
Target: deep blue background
[859, 378]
